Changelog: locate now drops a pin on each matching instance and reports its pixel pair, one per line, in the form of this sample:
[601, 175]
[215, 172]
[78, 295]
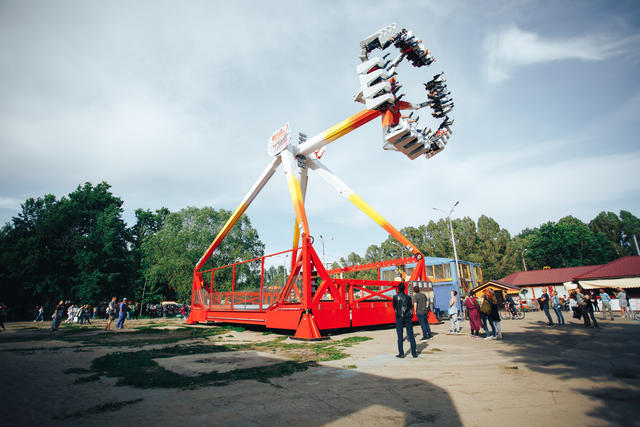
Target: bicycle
[513, 314]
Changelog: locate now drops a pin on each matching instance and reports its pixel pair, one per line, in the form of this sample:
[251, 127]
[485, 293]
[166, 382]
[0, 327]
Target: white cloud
[513, 47]
[173, 107]
[9, 203]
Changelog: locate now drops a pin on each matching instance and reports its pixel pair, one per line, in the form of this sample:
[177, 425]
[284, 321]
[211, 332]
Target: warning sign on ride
[279, 140]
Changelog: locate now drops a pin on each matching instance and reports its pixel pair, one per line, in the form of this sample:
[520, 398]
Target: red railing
[346, 291]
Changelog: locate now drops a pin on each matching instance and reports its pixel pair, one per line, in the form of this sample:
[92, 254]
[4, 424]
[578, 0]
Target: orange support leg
[307, 329]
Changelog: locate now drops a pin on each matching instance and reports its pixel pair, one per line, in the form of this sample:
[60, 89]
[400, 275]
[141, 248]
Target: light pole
[401, 248]
[524, 264]
[324, 258]
[453, 240]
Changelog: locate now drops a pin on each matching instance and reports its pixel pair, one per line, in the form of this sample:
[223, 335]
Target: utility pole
[524, 264]
[636, 241]
[453, 241]
[324, 258]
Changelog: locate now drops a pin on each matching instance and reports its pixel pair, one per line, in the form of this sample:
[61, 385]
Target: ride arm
[304, 179]
[349, 194]
[244, 204]
[344, 127]
[289, 164]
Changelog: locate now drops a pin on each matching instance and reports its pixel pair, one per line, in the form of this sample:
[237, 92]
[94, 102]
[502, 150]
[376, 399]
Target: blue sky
[172, 103]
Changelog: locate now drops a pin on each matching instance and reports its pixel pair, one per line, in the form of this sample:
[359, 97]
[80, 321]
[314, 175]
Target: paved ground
[537, 375]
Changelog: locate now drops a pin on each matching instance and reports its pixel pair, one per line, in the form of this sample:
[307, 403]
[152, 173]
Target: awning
[569, 285]
[625, 282]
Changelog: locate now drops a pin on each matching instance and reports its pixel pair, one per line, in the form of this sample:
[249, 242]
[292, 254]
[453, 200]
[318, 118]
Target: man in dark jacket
[402, 307]
[544, 305]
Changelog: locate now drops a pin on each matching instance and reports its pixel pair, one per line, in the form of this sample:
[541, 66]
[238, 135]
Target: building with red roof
[621, 273]
[551, 279]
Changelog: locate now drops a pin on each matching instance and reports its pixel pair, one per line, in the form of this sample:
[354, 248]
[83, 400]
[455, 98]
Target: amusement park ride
[312, 298]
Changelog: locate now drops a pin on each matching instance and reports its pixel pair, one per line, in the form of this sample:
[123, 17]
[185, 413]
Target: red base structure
[309, 302]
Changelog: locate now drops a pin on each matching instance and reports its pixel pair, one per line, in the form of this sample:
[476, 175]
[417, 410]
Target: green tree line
[79, 248]
[568, 242]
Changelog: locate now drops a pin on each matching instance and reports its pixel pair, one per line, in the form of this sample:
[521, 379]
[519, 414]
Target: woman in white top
[622, 300]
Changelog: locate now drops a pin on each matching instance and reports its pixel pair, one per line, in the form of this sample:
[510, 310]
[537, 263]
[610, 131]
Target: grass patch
[145, 335]
[436, 349]
[139, 369]
[98, 409]
[322, 351]
[40, 335]
[351, 366]
[511, 367]
[94, 335]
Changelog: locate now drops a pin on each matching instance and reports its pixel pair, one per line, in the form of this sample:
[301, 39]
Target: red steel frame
[333, 303]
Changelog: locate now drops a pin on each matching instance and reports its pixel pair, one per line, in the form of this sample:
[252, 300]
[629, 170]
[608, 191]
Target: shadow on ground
[607, 356]
[312, 395]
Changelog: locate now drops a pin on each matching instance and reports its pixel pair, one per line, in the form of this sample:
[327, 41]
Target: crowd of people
[483, 314]
[483, 311]
[122, 310]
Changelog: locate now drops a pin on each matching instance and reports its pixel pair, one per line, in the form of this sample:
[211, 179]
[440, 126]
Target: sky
[172, 103]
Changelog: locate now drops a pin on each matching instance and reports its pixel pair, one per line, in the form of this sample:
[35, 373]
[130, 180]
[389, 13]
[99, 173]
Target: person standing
[122, 313]
[402, 308]
[40, 315]
[111, 313]
[589, 311]
[485, 315]
[420, 306]
[594, 301]
[557, 307]
[58, 314]
[631, 315]
[87, 314]
[3, 315]
[581, 303]
[572, 303]
[544, 305]
[474, 315]
[606, 304]
[453, 313]
[79, 316]
[624, 304]
[495, 315]
[70, 312]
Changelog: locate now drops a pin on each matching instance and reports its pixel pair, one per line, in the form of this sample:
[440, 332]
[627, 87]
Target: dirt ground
[537, 375]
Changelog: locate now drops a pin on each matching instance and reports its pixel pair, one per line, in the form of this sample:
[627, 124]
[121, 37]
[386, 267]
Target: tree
[495, 252]
[567, 243]
[147, 224]
[630, 225]
[74, 248]
[169, 256]
[438, 239]
[466, 239]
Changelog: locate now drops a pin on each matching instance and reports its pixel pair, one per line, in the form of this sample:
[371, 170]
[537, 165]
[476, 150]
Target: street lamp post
[453, 241]
[401, 248]
[324, 258]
